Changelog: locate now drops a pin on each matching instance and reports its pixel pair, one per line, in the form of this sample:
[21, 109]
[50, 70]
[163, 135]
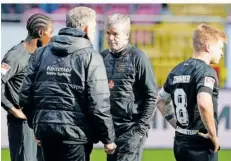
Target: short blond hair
[204, 34]
[79, 17]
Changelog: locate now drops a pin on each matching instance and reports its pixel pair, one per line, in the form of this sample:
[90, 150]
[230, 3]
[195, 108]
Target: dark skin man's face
[46, 35]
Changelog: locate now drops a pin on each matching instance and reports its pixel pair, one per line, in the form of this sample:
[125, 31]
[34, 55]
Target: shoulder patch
[5, 68]
[209, 82]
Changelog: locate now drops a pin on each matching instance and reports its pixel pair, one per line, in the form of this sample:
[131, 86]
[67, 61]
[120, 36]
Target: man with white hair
[133, 89]
[66, 90]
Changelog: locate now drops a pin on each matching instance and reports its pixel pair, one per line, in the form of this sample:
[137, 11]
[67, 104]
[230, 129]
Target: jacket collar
[124, 51]
[69, 40]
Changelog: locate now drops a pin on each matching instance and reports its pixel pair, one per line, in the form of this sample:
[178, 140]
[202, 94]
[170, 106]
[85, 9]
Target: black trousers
[56, 150]
[22, 142]
[183, 153]
[88, 149]
[129, 147]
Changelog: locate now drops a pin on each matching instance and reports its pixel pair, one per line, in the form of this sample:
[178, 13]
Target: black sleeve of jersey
[9, 68]
[147, 80]
[205, 81]
[167, 85]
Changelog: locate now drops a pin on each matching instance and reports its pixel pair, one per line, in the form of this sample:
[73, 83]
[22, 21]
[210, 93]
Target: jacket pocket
[132, 141]
[130, 109]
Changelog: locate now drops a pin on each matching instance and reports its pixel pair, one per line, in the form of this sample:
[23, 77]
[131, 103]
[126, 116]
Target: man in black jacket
[66, 89]
[13, 67]
[133, 89]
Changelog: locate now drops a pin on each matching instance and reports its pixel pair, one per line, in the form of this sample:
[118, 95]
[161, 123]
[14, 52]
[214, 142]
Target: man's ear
[207, 47]
[128, 34]
[85, 29]
[40, 32]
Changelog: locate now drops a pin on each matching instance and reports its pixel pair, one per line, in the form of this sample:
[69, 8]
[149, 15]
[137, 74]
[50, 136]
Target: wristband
[169, 117]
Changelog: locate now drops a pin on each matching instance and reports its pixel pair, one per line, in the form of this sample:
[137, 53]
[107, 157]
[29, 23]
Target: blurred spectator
[12, 8]
[148, 9]
[133, 8]
[165, 10]
[34, 5]
[49, 8]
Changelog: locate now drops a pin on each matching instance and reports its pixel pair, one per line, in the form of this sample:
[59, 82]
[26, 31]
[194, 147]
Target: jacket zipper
[113, 69]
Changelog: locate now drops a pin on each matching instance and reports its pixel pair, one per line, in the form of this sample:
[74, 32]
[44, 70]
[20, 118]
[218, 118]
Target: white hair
[79, 17]
[118, 18]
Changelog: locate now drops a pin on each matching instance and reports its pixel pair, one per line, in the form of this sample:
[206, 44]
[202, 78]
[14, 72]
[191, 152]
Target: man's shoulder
[17, 47]
[202, 69]
[15, 53]
[183, 68]
[195, 68]
[180, 66]
[139, 55]
[90, 55]
[96, 54]
[199, 65]
[104, 53]
[137, 52]
[39, 53]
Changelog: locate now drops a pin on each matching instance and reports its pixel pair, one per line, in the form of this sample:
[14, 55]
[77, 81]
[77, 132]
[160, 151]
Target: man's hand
[18, 113]
[110, 148]
[214, 139]
[37, 141]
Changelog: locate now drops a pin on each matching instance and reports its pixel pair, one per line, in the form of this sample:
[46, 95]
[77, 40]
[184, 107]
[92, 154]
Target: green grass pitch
[148, 155]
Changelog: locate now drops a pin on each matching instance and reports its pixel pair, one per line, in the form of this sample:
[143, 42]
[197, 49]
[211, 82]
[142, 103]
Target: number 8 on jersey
[180, 100]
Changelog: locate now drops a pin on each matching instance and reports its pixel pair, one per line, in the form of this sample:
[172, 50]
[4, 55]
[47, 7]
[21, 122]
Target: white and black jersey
[183, 84]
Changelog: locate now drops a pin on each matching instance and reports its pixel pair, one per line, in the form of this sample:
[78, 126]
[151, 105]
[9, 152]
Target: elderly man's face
[117, 37]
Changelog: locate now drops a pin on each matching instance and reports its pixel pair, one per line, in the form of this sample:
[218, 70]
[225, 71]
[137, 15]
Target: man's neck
[30, 44]
[117, 51]
[202, 56]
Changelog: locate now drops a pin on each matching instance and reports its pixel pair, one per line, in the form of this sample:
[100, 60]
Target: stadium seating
[147, 9]
[152, 9]
[167, 44]
[62, 10]
[99, 8]
[49, 8]
[31, 11]
[118, 8]
[198, 9]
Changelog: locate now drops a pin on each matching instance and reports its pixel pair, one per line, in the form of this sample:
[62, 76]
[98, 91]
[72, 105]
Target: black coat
[66, 88]
[133, 89]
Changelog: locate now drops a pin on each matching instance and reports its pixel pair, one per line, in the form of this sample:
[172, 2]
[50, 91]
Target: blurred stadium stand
[198, 9]
[162, 31]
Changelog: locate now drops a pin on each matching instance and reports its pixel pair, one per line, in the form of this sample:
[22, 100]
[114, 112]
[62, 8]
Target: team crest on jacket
[5, 68]
[111, 84]
[121, 67]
